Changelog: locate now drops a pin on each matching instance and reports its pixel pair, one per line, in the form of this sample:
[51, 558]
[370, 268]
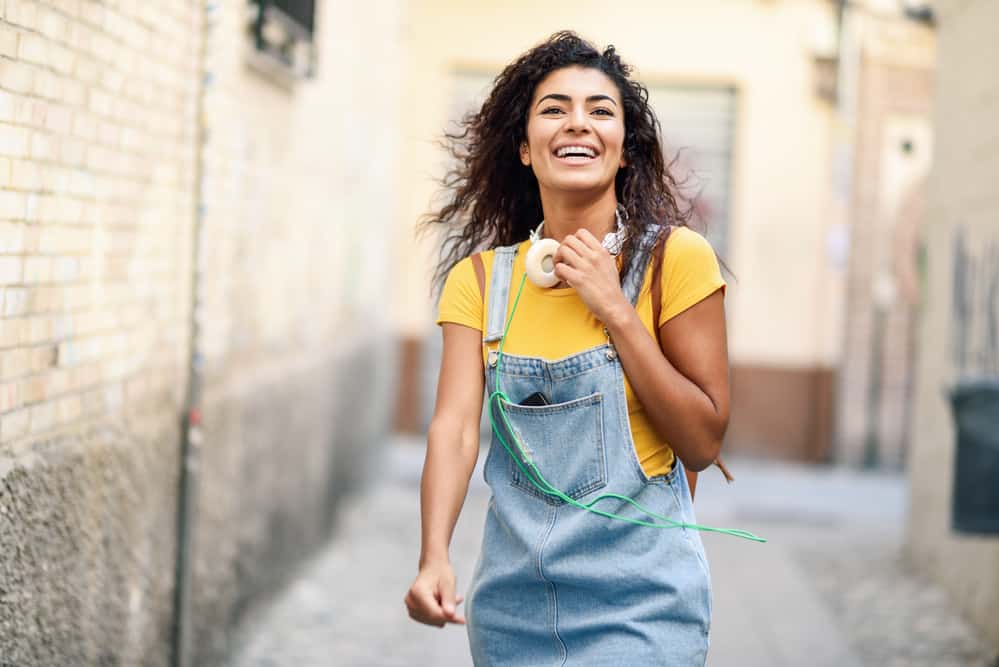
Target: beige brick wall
[963, 202]
[96, 165]
[99, 175]
[97, 159]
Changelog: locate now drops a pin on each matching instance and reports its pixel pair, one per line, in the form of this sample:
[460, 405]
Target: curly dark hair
[493, 200]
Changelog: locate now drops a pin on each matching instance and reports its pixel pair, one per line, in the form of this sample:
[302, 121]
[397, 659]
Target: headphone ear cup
[540, 262]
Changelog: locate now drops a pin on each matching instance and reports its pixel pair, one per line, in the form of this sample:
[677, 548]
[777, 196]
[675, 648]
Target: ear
[525, 154]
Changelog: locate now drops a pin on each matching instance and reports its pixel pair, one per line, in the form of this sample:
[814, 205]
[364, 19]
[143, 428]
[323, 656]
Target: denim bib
[554, 584]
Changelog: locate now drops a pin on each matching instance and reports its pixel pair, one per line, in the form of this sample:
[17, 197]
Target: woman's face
[575, 131]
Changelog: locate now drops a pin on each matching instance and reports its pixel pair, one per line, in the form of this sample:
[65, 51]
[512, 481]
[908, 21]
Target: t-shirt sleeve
[460, 301]
[690, 273]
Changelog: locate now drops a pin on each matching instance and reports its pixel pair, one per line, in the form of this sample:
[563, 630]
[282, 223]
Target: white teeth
[566, 150]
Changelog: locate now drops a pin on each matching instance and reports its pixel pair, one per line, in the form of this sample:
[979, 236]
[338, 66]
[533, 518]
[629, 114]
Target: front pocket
[565, 442]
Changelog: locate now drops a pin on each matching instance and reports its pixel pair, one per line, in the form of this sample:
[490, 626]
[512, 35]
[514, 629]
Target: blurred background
[218, 358]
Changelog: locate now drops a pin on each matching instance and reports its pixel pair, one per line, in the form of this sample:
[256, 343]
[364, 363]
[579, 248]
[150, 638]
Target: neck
[564, 216]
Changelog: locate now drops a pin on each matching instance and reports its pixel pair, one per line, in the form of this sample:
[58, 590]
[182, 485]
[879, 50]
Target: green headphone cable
[537, 479]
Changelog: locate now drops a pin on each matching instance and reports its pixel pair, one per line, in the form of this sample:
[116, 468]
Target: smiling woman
[608, 382]
[561, 154]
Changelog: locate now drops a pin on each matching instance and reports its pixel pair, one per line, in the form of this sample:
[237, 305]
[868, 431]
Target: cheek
[619, 140]
[535, 143]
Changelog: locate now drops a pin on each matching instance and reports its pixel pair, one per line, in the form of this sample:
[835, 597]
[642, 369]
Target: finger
[567, 255]
[455, 617]
[588, 239]
[423, 607]
[565, 272]
[447, 596]
[420, 616]
[572, 244]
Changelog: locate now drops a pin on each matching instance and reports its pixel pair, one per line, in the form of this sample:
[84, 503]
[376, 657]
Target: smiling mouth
[575, 154]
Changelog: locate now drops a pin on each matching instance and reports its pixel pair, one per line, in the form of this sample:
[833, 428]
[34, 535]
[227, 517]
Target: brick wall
[96, 201]
[96, 162]
[99, 157]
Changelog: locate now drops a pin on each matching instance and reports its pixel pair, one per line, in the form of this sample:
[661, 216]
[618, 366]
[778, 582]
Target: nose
[577, 120]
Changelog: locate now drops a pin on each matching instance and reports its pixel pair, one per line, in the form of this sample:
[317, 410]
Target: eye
[551, 110]
[603, 111]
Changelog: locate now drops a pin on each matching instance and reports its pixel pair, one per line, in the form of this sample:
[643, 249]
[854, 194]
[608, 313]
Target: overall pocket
[565, 443]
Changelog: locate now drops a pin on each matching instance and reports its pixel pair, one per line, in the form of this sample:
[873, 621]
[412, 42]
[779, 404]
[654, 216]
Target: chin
[580, 184]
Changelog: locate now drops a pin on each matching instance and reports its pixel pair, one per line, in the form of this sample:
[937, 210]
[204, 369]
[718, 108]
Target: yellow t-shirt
[690, 273]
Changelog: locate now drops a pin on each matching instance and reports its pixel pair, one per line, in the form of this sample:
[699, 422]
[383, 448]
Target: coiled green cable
[538, 480]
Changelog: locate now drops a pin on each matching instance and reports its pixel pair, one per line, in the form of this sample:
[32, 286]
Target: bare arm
[452, 449]
[684, 386]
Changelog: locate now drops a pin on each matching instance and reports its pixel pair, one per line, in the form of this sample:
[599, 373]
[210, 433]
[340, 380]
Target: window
[698, 124]
[283, 31]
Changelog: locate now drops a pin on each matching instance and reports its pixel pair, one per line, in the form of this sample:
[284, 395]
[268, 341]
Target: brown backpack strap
[657, 285]
[480, 274]
[657, 307]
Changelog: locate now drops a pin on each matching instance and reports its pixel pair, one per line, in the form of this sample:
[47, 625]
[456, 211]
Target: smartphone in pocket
[537, 398]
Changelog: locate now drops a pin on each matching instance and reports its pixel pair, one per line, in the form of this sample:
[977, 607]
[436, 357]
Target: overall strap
[635, 275]
[657, 286]
[499, 292]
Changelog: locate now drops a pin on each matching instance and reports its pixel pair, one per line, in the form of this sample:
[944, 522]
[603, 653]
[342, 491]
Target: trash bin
[975, 405]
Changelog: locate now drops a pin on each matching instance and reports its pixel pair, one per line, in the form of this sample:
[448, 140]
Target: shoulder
[690, 272]
[686, 245]
[460, 299]
[461, 278]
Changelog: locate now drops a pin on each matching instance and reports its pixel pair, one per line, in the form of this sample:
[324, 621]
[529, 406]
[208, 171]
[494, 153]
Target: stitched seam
[622, 413]
[553, 615]
[554, 409]
[514, 363]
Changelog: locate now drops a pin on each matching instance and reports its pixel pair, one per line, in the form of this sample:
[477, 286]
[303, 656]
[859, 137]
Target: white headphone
[540, 260]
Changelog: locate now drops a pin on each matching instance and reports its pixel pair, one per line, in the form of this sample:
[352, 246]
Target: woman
[581, 383]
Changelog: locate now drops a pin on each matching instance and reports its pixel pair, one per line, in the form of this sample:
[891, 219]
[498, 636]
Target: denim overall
[555, 584]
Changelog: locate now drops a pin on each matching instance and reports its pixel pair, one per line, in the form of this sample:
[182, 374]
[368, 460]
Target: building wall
[298, 193]
[781, 176]
[962, 215]
[96, 198]
[99, 170]
[894, 95]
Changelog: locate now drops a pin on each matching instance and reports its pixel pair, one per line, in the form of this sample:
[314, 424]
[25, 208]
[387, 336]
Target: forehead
[577, 82]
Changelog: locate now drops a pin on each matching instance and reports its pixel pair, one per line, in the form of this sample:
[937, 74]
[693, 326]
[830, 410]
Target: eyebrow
[561, 97]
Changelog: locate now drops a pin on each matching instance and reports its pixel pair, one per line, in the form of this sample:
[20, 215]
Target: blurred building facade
[750, 94]
[882, 156]
[151, 153]
[960, 316]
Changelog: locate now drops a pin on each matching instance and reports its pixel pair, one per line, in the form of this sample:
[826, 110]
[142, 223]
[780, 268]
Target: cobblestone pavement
[829, 588]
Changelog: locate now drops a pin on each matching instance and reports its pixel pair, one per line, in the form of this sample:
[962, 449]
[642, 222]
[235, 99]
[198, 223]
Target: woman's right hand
[431, 598]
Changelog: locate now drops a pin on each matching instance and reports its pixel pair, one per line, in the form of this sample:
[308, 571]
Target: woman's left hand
[583, 263]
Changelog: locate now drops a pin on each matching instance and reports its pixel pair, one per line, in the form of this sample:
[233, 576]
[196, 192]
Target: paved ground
[830, 588]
